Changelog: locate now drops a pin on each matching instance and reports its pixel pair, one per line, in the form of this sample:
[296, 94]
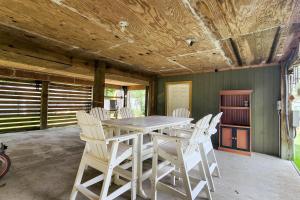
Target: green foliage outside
[111, 92]
[137, 102]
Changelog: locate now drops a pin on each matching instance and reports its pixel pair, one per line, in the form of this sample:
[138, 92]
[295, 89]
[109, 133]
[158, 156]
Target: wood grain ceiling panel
[255, 48]
[160, 26]
[230, 18]
[202, 60]
[157, 30]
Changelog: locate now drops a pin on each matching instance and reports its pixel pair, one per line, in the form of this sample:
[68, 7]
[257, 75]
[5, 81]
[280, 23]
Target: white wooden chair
[181, 112]
[105, 155]
[206, 148]
[100, 113]
[182, 153]
[207, 152]
[126, 112]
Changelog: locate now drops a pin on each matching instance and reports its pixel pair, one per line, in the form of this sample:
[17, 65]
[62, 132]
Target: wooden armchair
[183, 154]
[206, 148]
[208, 153]
[102, 114]
[104, 154]
[126, 113]
[181, 112]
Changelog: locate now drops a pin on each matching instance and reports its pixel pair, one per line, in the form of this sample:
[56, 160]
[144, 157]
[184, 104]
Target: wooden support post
[125, 89]
[153, 96]
[287, 145]
[146, 100]
[99, 84]
[44, 105]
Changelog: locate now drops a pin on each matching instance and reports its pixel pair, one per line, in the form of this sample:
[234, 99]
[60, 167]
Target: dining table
[143, 126]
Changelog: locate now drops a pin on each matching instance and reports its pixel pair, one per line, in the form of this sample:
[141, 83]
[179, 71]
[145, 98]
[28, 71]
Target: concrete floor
[44, 165]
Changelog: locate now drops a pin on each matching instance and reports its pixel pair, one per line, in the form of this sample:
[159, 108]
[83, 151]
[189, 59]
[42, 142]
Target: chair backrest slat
[181, 112]
[126, 113]
[212, 129]
[100, 113]
[199, 130]
[91, 128]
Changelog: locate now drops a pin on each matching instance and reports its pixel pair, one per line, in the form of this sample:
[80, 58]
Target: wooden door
[226, 137]
[178, 95]
[242, 139]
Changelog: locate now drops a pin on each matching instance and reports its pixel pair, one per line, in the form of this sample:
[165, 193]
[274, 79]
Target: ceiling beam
[236, 52]
[207, 31]
[274, 45]
[223, 69]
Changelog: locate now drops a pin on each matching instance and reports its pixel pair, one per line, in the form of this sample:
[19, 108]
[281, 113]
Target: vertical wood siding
[265, 83]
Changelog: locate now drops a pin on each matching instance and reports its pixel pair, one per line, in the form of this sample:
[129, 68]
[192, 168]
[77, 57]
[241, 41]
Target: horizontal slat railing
[19, 105]
[64, 101]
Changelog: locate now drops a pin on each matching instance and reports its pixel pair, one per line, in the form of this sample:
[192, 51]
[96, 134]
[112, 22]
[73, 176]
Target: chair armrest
[186, 131]
[122, 138]
[192, 125]
[92, 140]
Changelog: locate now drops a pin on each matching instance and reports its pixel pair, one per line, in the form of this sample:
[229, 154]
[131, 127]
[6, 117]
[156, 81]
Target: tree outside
[136, 102]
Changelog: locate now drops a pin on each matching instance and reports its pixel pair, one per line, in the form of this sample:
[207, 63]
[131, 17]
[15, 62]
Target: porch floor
[44, 165]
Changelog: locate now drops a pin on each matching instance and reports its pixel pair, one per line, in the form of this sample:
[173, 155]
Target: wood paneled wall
[265, 83]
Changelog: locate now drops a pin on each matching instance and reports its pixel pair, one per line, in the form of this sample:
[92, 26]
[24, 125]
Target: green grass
[297, 151]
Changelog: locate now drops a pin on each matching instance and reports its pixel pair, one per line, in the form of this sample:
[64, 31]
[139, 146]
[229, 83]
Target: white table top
[149, 123]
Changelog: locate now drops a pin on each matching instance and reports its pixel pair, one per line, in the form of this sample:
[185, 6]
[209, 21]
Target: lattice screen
[19, 105]
[63, 102]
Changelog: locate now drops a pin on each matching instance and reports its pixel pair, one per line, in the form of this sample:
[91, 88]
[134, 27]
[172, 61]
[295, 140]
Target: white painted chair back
[126, 113]
[91, 129]
[181, 112]
[198, 132]
[100, 113]
[212, 129]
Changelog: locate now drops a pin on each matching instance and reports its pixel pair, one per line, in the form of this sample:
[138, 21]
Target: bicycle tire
[5, 164]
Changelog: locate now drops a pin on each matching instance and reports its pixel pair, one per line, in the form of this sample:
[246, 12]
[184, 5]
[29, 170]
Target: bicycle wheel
[4, 164]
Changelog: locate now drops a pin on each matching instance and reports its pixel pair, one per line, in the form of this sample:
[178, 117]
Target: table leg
[140, 189]
[117, 177]
[117, 131]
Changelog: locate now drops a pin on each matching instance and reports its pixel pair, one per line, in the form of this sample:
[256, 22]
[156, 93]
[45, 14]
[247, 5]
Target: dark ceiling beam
[127, 72]
[274, 45]
[206, 28]
[236, 52]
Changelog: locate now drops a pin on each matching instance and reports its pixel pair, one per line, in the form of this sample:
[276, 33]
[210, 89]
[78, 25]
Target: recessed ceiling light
[191, 40]
[123, 24]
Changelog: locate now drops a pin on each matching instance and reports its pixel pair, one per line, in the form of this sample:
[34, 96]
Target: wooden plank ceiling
[225, 34]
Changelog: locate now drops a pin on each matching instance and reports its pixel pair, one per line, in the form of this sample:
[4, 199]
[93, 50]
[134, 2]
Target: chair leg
[208, 192]
[134, 170]
[206, 168]
[173, 179]
[185, 175]
[106, 182]
[215, 160]
[78, 179]
[154, 174]
[203, 176]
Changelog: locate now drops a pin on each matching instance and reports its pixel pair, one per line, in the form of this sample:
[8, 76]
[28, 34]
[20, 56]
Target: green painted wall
[265, 83]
